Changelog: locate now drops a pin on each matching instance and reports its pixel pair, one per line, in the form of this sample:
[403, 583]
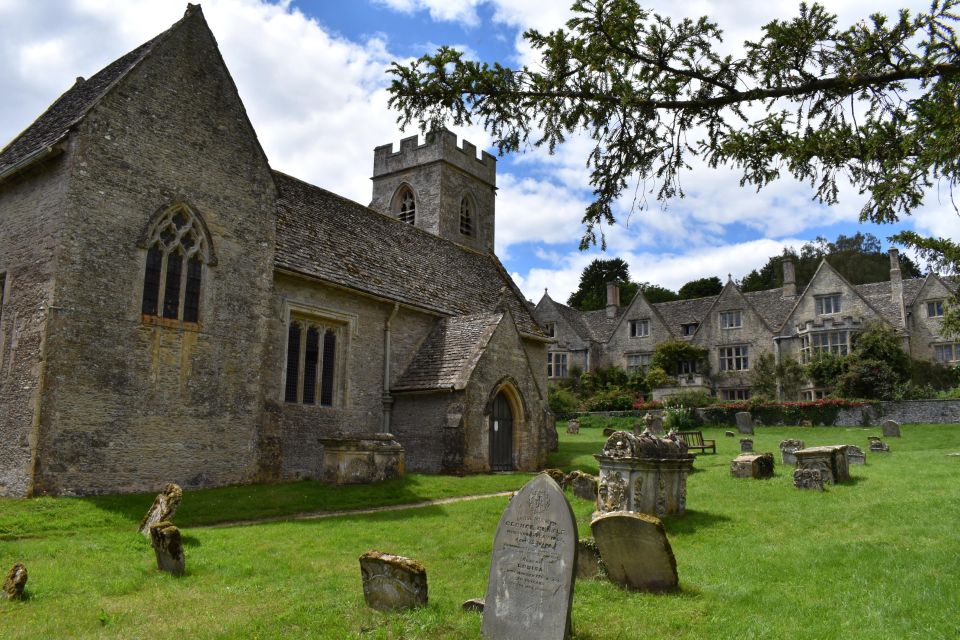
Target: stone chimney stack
[613, 299]
[896, 285]
[789, 277]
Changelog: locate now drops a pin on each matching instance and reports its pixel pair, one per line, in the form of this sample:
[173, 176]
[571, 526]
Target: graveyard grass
[874, 558]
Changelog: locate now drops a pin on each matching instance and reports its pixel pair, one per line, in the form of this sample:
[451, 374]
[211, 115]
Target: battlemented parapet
[438, 146]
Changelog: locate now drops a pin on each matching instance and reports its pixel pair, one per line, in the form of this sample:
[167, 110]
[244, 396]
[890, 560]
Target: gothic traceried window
[177, 249]
[466, 216]
[405, 205]
[312, 362]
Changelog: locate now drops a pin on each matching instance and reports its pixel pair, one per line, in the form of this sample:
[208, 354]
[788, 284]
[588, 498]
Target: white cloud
[463, 11]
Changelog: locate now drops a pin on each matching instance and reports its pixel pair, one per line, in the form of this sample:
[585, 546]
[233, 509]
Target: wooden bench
[694, 441]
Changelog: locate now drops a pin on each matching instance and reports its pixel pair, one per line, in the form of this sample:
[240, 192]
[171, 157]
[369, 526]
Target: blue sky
[312, 75]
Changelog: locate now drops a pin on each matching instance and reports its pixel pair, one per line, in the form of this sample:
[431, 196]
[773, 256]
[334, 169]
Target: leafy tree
[876, 366]
[670, 354]
[592, 292]
[767, 375]
[655, 293]
[825, 368]
[701, 288]
[874, 103]
[858, 258]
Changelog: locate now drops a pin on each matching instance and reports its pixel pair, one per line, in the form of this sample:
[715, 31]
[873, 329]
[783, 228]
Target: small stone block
[608, 432]
[558, 476]
[392, 583]
[473, 605]
[752, 465]
[891, 429]
[168, 548]
[636, 551]
[788, 449]
[588, 560]
[878, 446]
[730, 434]
[855, 455]
[15, 582]
[584, 485]
[164, 507]
[573, 427]
[808, 479]
[746, 445]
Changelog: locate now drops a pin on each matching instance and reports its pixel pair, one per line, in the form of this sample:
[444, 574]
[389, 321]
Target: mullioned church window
[177, 250]
[405, 205]
[312, 368]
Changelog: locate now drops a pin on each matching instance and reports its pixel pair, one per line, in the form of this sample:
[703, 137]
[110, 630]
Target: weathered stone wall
[904, 412]
[296, 429]
[565, 339]
[924, 330]
[153, 401]
[621, 344]
[430, 428]
[32, 208]
[504, 360]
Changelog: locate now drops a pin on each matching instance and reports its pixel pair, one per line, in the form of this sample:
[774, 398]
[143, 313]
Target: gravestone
[558, 476]
[878, 446]
[530, 588]
[163, 508]
[15, 582]
[588, 560]
[788, 449]
[583, 484]
[808, 479]
[573, 427]
[752, 465]
[473, 604]
[392, 583]
[746, 445]
[830, 460]
[891, 429]
[653, 424]
[168, 548]
[744, 422]
[552, 440]
[635, 551]
[730, 434]
[855, 455]
[806, 423]
[609, 431]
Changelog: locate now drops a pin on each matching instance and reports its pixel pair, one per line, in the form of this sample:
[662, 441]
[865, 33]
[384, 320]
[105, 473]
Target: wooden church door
[501, 435]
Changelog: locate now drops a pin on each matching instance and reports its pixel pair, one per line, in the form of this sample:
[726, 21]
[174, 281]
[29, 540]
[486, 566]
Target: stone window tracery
[313, 354]
[405, 205]
[466, 216]
[177, 250]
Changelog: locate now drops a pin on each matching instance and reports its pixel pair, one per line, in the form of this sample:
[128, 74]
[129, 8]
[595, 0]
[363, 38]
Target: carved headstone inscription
[530, 589]
[392, 583]
[635, 551]
[163, 508]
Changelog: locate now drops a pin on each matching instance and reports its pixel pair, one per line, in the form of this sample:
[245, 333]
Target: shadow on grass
[692, 522]
[569, 451]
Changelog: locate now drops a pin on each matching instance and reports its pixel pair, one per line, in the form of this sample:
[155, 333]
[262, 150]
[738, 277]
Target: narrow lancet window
[293, 362]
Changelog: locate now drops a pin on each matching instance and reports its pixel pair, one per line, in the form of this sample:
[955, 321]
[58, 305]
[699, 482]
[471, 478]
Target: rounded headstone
[635, 551]
[891, 429]
[530, 588]
[744, 422]
[392, 583]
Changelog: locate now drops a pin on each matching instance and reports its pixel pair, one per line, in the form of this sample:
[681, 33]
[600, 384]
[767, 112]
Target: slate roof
[335, 239]
[601, 327]
[680, 312]
[449, 354]
[71, 107]
[772, 306]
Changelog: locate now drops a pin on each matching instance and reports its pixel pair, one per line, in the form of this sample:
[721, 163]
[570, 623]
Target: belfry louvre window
[466, 216]
[405, 205]
[177, 249]
[312, 367]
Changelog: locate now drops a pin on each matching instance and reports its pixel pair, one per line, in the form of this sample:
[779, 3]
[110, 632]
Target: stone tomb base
[752, 465]
[830, 461]
[362, 459]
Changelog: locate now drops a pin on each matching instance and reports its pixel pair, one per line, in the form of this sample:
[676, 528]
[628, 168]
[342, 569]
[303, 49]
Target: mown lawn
[875, 558]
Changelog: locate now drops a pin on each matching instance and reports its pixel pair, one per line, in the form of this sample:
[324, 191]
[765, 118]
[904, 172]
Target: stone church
[175, 310]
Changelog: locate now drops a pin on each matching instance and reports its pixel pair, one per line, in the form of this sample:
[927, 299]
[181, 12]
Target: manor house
[174, 310]
[736, 327]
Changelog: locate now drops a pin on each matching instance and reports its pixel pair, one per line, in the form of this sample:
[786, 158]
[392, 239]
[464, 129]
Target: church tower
[439, 187]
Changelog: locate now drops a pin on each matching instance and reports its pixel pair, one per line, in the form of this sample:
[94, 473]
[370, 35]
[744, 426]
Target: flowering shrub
[679, 418]
[817, 412]
[652, 405]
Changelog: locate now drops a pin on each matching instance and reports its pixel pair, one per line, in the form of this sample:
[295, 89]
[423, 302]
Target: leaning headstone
[573, 427]
[168, 548]
[15, 583]
[878, 446]
[855, 455]
[558, 476]
[473, 604]
[752, 465]
[584, 485]
[891, 429]
[608, 432]
[392, 583]
[730, 434]
[654, 424]
[744, 422]
[530, 588]
[788, 448]
[635, 551]
[808, 479]
[163, 508]
[746, 445]
[589, 564]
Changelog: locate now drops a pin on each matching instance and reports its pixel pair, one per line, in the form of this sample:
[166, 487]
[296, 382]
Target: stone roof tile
[448, 356]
